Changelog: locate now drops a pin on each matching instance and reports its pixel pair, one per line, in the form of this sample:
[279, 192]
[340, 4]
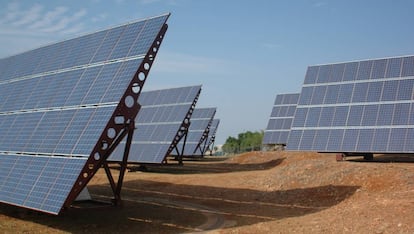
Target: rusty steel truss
[121, 124]
[182, 132]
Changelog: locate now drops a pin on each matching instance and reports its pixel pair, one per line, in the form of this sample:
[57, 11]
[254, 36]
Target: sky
[242, 52]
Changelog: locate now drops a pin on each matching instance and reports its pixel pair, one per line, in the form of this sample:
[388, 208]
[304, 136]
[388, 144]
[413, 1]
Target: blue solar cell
[327, 115]
[320, 140]
[369, 117]
[350, 72]
[378, 69]
[408, 147]
[332, 92]
[408, 66]
[350, 140]
[390, 90]
[305, 96]
[324, 74]
[318, 95]
[275, 111]
[364, 70]
[126, 40]
[360, 92]
[335, 139]
[337, 72]
[345, 93]
[405, 90]
[401, 114]
[365, 140]
[300, 117]
[394, 67]
[397, 139]
[307, 139]
[355, 115]
[385, 114]
[313, 117]
[291, 110]
[374, 91]
[311, 75]
[278, 100]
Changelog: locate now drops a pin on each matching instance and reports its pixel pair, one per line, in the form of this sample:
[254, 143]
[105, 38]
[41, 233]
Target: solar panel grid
[374, 97]
[158, 123]
[280, 122]
[56, 100]
[212, 133]
[198, 131]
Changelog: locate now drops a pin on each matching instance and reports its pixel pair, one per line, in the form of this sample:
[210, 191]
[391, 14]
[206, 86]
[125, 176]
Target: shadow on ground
[385, 158]
[198, 167]
[159, 207]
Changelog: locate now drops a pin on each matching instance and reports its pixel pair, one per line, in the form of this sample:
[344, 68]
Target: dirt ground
[258, 192]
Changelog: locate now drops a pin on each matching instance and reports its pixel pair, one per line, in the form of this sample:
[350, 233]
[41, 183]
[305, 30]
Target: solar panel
[212, 133]
[160, 124]
[278, 127]
[195, 142]
[64, 105]
[355, 107]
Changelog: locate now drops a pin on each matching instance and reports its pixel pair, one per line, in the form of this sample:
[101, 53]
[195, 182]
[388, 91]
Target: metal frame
[182, 132]
[204, 138]
[120, 125]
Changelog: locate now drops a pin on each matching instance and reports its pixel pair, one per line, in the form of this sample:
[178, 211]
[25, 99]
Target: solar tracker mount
[65, 108]
[122, 123]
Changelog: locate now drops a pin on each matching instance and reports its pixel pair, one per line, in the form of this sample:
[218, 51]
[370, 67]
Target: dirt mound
[255, 192]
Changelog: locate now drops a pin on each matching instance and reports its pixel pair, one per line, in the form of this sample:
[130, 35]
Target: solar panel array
[55, 104]
[198, 132]
[278, 128]
[212, 134]
[158, 123]
[362, 106]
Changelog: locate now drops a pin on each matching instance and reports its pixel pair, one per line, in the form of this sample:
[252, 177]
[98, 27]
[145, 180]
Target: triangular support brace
[116, 187]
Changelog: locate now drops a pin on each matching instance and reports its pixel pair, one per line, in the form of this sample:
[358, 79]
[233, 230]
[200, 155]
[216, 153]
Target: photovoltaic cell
[56, 101]
[158, 123]
[197, 135]
[280, 122]
[372, 111]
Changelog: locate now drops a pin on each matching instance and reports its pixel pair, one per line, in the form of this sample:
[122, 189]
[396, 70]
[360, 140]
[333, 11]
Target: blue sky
[242, 52]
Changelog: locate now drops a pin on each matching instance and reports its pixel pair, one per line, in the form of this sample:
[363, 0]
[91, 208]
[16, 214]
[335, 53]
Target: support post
[117, 187]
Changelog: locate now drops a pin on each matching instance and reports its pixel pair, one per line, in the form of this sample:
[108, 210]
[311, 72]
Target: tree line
[245, 142]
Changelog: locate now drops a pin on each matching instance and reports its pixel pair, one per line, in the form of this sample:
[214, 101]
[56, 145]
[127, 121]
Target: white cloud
[29, 16]
[12, 12]
[64, 22]
[39, 21]
[49, 18]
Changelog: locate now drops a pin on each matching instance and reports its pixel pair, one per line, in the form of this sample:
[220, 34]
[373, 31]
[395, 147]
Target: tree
[247, 141]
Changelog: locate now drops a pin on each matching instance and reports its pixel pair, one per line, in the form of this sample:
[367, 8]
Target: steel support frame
[123, 116]
[116, 187]
[182, 133]
[204, 138]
